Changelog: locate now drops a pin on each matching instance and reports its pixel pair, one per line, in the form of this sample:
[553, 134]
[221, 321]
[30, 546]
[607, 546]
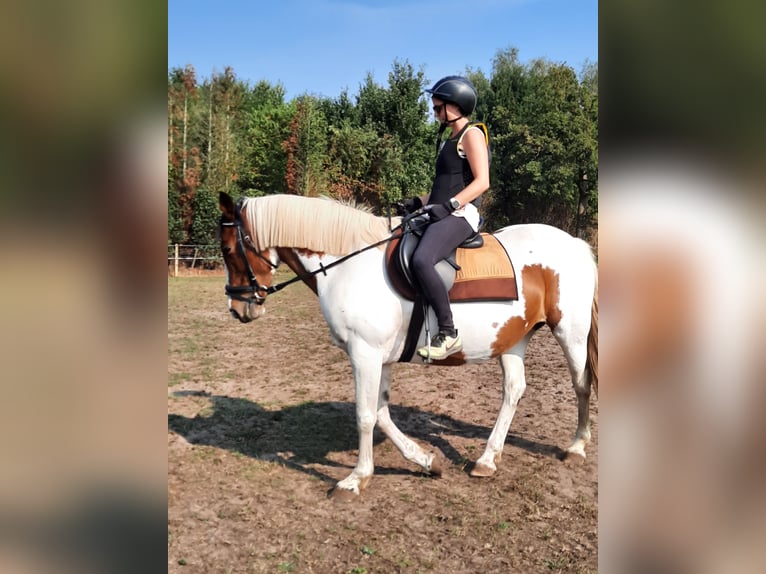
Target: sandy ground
[261, 426]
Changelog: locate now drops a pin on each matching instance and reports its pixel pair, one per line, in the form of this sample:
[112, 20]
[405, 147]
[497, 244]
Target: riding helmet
[457, 90]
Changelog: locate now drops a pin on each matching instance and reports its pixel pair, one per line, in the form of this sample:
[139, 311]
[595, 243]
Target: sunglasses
[439, 108]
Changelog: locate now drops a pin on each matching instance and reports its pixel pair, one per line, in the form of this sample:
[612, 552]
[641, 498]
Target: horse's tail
[592, 361]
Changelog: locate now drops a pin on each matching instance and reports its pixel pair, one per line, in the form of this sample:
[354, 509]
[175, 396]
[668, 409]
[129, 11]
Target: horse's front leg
[366, 365]
[433, 463]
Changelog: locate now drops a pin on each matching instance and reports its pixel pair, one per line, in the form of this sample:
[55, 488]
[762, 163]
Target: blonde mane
[318, 224]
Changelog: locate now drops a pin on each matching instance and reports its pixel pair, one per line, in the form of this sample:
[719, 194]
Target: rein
[251, 293]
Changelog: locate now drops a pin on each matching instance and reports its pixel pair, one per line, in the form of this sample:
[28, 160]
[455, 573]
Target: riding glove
[409, 206]
[439, 211]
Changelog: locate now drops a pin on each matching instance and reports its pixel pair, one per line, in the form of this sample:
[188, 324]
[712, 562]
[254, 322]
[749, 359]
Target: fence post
[175, 264]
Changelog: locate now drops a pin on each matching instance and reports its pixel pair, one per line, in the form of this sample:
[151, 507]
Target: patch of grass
[205, 453]
[503, 526]
[285, 567]
[358, 570]
[189, 346]
[366, 550]
[178, 378]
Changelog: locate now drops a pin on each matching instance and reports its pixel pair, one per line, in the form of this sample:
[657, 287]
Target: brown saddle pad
[486, 273]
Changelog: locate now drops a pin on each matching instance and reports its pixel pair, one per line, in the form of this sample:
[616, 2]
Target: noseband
[246, 293]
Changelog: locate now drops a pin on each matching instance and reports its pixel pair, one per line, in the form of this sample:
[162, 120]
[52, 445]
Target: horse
[338, 251]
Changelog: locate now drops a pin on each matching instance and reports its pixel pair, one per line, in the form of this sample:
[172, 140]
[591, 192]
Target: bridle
[247, 293]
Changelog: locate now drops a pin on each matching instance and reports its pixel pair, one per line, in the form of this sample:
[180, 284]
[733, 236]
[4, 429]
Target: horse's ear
[227, 205]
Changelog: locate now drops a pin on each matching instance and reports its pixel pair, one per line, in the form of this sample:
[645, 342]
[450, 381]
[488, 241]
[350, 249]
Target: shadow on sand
[304, 434]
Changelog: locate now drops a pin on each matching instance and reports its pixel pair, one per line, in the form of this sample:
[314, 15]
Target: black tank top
[453, 173]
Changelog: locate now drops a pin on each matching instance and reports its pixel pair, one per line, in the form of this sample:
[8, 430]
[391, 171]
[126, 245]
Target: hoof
[338, 494]
[482, 471]
[572, 458]
[438, 464]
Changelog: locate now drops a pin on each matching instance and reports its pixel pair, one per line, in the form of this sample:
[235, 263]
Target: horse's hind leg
[514, 384]
[576, 355]
[430, 462]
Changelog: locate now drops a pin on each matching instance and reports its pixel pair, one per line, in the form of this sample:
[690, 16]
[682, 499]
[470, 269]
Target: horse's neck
[304, 263]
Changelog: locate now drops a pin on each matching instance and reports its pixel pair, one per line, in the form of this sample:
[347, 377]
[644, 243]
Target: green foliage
[544, 125]
[306, 149]
[175, 224]
[206, 217]
[377, 146]
[265, 125]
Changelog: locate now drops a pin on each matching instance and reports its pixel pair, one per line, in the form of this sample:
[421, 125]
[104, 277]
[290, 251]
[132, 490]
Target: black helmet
[457, 90]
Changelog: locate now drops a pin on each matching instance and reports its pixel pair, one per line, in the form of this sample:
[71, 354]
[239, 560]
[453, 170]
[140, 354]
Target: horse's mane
[319, 224]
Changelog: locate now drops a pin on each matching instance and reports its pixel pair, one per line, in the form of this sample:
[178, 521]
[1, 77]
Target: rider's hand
[439, 211]
[408, 206]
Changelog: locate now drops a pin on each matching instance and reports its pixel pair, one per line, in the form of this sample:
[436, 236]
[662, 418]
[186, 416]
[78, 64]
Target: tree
[588, 152]
[266, 125]
[306, 148]
[184, 162]
[378, 146]
[544, 143]
[224, 155]
[406, 122]
[353, 159]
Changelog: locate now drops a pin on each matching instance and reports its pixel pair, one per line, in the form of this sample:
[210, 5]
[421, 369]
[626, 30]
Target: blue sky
[321, 47]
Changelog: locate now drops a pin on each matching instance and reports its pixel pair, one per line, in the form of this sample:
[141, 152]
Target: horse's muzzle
[242, 318]
[249, 312]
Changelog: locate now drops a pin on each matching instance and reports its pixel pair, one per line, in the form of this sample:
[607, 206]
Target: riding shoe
[442, 346]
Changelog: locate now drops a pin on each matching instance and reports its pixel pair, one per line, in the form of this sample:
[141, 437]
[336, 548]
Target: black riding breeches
[438, 241]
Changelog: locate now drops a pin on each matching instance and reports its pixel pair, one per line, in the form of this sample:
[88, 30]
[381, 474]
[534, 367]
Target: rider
[462, 175]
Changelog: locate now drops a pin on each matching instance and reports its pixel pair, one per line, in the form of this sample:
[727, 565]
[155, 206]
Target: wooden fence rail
[192, 256]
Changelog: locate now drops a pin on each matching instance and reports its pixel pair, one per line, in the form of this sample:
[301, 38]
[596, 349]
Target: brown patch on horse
[552, 296]
[290, 258]
[509, 334]
[541, 304]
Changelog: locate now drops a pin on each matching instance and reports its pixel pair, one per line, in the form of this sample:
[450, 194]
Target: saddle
[478, 270]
